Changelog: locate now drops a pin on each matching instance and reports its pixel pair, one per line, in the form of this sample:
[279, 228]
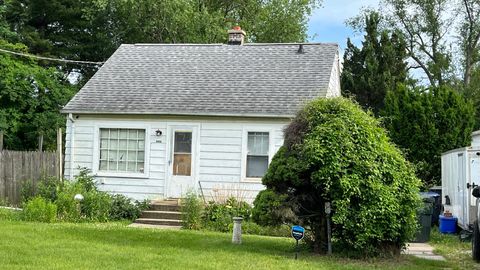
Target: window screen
[257, 155]
[122, 150]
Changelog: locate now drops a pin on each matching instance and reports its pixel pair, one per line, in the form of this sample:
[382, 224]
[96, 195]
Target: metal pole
[328, 210]
[329, 235]
[296, 251]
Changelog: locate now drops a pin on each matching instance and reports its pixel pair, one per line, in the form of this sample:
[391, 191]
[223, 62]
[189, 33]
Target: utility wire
[52, 59]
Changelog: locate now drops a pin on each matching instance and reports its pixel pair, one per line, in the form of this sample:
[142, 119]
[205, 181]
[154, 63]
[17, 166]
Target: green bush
[39, 209]
[192, 208]
[122, 208]
[9, 214]
[48, 188]
[271, 209]
[68, 209]
[27, 191]
[335, 152]
[96, 205]
[219, 216]
[86, 180]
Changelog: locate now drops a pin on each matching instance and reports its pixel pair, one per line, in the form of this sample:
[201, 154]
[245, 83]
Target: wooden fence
[16, 167]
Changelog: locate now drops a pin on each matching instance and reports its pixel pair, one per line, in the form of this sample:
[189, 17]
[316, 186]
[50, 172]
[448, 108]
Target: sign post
[298, 232]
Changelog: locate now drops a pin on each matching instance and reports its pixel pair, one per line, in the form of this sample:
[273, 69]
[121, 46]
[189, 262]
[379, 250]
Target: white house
[158, 120]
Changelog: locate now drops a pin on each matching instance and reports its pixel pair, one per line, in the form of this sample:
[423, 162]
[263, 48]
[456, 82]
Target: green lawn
[114, 246]
[455, 251]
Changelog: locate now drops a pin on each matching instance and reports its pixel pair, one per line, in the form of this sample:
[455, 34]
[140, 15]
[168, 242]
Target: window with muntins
[257, 154]
[122, 150]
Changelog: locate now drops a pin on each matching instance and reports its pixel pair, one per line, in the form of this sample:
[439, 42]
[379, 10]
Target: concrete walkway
[422, 250]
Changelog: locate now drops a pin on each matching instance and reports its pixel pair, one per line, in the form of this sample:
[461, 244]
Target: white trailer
[460, 173]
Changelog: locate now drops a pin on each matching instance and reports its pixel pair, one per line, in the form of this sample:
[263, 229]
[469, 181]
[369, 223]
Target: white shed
[460, 173]
[158, 120]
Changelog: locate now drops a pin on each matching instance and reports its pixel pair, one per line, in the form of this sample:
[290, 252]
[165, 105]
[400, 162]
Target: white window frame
[96, 151]
[271, 152]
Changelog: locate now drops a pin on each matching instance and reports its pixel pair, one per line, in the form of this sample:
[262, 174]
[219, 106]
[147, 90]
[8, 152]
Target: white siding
[221, 148]
[334, 84]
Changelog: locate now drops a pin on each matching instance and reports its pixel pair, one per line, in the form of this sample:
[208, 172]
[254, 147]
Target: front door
[181, 160]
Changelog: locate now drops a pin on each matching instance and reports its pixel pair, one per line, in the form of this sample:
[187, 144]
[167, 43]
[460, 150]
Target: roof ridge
[222, 44]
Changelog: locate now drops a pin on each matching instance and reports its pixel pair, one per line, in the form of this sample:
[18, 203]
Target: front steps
[164, 214]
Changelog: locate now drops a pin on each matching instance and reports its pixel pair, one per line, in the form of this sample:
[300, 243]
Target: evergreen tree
[380, 65]
[426, 123]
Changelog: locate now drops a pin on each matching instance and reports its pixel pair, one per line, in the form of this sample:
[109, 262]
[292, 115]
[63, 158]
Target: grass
[456, 252]
[114, 246]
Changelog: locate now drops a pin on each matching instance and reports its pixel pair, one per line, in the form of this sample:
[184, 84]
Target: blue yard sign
[298, 232]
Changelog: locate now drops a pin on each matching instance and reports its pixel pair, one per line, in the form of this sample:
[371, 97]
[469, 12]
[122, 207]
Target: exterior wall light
[158, 133]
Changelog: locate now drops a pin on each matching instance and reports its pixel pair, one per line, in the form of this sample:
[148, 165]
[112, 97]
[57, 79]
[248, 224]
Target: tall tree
[93, 29]
[30, 99]
[424, 24]
[470, 37]
[426, 123]
[375, 68]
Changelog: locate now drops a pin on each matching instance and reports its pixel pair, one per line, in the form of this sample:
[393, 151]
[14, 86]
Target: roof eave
[252, 115]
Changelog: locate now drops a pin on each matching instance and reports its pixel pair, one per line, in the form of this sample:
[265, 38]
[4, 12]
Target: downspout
[72, 143]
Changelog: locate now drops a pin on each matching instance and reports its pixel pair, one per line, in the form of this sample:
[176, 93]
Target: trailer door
[461, 192]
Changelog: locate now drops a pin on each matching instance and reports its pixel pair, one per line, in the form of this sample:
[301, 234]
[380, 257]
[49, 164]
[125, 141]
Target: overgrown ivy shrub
[40, 210]
[271, 209]
[335, 152]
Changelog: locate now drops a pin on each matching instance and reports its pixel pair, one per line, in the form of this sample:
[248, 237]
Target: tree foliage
[93, 29]
[427, 123]
[378, 66]
[425, 24]
[30, 99]
[335, 152]
[470, 38]
[31, 93]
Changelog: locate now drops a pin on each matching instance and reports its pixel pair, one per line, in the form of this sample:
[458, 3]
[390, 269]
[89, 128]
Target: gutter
[247, 115]
[72, 143]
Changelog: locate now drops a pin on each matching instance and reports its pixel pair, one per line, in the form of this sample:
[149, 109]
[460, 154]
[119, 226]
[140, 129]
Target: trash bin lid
[429, 194]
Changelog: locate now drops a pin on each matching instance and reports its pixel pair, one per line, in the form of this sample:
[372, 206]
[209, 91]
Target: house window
[257, 154]
[182, 154]
[122, 150]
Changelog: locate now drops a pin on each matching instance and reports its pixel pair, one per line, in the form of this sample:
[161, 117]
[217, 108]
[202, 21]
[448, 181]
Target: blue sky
[327, 23]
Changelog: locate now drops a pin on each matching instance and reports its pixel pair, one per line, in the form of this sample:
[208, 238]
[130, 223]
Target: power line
[52, 59]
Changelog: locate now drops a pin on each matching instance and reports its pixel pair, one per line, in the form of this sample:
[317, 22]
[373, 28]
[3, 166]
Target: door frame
[169, 147]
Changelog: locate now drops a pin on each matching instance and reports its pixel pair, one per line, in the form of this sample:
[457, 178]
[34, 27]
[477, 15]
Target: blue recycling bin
[448, 224]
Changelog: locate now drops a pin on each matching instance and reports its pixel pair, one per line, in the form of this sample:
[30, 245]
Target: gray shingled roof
[194, 79]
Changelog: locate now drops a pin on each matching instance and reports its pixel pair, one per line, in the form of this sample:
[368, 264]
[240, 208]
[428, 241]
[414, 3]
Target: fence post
[1, 140]
[40, 143]
[59, 154]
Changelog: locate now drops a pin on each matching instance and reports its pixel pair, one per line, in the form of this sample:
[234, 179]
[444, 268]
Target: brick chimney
[236, 36]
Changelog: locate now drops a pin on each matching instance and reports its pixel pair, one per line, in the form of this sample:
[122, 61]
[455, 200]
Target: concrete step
[161, 214]
[151, 226]
[165, 207]
[155, 221]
